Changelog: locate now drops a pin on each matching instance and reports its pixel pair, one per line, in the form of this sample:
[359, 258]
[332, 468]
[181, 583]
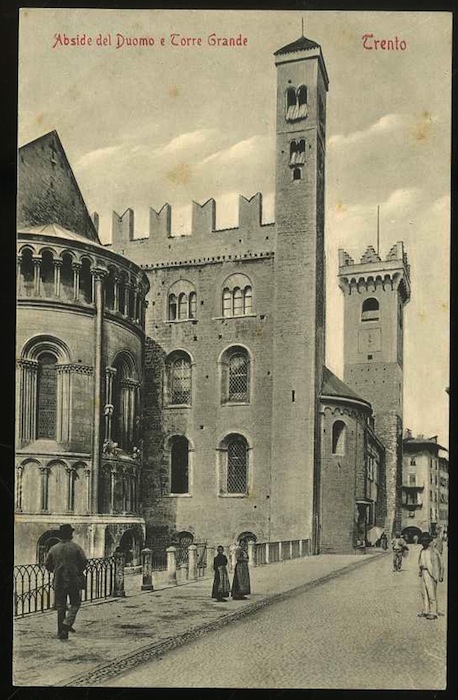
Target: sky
[145, 125]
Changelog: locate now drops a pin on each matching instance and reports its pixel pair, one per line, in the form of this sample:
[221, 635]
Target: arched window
[172, 307]
[47, 274]
[302, 95]
[46, 396]
[237, 465]
[182, 306]
[66, 278]
[291, 98]
[238, 377]
[179, 465]
[182, 301]
[247, 300]
[237, 296]
[27, 275]
[296, 103]
[297, 174]
[110, 291]
[227, 302]
[192, 305]
[179, 379]
[124, 391]
[297, 152]
[338, 437]
[370, 309]
[86, 281]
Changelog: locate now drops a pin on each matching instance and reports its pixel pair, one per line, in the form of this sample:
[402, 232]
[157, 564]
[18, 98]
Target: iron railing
[296, 549]
[201, 558]
[260, 553]
[285, 550]
[33, 591]
[274, 552]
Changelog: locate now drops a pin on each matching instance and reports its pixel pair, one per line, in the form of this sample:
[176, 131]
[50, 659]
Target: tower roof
[301, 44]
[333, 386]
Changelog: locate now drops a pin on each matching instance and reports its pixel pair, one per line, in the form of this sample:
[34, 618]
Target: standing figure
[438, 543]
[384, 541]
[241, 581]
[398, 545]
[430, 572]
[221, 586]
[68, 562]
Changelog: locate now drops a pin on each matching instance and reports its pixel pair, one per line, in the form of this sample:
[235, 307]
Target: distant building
[424, 490]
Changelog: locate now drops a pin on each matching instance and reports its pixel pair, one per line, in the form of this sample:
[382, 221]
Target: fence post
[147, 570]
[172, 565]
[119, 563]
[267, 553]
[192, 562]
[300, 547]
[280, 553]
[251, 554]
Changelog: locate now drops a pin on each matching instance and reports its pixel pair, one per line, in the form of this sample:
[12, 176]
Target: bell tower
[299, 330]
[375, 294]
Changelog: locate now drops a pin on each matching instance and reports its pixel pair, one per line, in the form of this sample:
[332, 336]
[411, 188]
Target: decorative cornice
[216, 259]
[77, 368]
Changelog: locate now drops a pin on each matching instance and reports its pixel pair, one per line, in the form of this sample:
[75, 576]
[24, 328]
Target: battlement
[251, 236]
[393, 271]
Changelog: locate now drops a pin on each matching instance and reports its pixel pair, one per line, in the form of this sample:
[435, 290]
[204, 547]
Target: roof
[57, 231]
[333, 386]
[301, 44]
[428, 442]
[47, 189]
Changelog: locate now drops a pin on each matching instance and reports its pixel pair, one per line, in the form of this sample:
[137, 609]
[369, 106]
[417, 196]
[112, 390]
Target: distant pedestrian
[438, 543]
[384, 541]
[241, 582]
[399, 546]
[67, 561]
[431, 573]
[221, 586]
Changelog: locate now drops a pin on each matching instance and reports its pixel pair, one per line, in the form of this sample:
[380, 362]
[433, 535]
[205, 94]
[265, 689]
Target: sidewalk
[116, 635]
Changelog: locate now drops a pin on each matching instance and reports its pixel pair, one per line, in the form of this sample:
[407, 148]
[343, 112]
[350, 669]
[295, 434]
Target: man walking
[431, 573]
[398, 545]
[68, 561]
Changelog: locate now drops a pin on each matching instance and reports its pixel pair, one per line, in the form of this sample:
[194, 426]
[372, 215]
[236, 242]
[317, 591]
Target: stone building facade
[203, 358]
[79, 349]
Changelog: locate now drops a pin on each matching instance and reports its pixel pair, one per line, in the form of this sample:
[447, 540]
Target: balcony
[413, 487]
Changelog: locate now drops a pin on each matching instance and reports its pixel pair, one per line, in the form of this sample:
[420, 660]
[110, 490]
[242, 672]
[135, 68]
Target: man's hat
[425, 537]
[66, 530]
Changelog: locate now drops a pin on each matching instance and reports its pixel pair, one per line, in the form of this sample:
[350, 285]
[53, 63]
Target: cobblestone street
[358, 631]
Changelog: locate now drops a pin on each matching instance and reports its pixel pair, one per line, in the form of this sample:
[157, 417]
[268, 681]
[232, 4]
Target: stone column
[267, 553]
[76, 267]
[19, 473]
[70, 488]
[171, 565]
[98, 275]
[280, 553]
[147, 570]
[57, 267]
[192, 562]
[87, 474]
[19, 276]
[300, 547]
[112, 488]
[44, 472]
[36, 276]
[118, 588]
[291, 549]
[251, 554]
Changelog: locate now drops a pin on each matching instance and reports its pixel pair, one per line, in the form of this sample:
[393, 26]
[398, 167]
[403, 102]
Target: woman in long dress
[241, 582]
[221, 586]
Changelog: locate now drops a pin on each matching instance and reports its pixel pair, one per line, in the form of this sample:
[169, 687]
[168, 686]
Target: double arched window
[181, 302]
[237, 299]
[178, 379]
[235, 375]
[46, 396]
[124, 396]
[296, 103]
[370, 310]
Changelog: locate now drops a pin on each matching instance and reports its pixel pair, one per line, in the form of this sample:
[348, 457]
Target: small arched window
[192, 305]
[179, 465]
[338, 437]
[238, 302]
[296, 103]
[46, 396]
[370, 309]
[179, 380]
[297, 174]
[172, 307]
[237, 296]
[291, 98]
[47, 273]
[227, 302]
[302, 95]
[247, 301]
